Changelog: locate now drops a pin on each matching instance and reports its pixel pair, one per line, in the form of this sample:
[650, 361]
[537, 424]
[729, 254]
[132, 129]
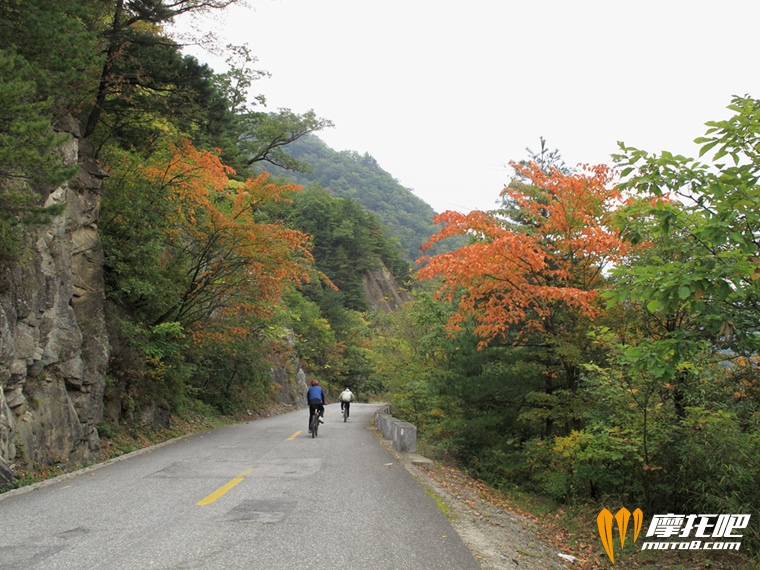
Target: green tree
[46, 59]
[348, 241]
[129, 22]
[60, 41]
[264, 136]
[702, 277]
[29, 167]
[680, 373]
[27, 138]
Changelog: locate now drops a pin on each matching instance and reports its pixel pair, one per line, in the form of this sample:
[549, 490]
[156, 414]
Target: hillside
[348, 174]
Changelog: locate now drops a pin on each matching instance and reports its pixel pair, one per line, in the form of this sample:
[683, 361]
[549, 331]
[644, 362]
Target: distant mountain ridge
[348, 174]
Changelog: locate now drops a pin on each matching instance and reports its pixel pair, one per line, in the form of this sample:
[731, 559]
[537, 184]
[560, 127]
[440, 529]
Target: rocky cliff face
[383, 292]
[53, 342]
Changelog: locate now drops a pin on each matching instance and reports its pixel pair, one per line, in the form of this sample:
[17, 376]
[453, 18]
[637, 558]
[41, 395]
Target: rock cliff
[382, 290]
[53, 342]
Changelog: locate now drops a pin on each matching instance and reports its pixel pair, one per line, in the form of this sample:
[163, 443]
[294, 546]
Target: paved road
[262, 495]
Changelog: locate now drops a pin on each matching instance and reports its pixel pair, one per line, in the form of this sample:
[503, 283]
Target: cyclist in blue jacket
[316, 398]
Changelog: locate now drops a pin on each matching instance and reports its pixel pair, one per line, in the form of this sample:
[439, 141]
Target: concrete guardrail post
[403, 435]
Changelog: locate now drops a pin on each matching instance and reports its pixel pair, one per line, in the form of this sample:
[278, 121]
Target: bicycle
[314, 423]
[345, 414]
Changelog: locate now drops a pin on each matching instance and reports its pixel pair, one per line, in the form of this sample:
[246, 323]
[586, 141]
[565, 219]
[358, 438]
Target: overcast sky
[445, 93]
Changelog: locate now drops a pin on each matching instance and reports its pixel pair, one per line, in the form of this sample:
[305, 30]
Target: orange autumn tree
[191, 255]
[531, 272]
[234, 258]
[205, 248]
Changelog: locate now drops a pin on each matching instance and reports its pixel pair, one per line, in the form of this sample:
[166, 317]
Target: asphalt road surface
[261, 495]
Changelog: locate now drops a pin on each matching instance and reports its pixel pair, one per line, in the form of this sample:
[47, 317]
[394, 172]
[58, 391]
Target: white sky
[445, 93]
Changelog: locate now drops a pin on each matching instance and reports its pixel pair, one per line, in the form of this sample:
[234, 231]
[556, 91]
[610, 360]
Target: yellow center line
[222, 490]
[295, 435]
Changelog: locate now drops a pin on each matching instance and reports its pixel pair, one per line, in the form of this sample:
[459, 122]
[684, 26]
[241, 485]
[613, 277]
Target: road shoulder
[497, 537]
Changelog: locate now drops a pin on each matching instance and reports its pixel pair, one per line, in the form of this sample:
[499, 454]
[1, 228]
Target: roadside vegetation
[596, 342]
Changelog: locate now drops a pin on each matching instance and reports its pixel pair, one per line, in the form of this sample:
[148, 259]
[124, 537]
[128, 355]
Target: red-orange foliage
[233, 262]
[516, 274]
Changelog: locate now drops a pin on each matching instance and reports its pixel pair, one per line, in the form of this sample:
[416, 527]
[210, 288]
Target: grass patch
[35, 473]
[442, 506]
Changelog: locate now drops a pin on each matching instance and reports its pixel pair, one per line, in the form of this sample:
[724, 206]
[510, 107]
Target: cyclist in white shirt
[346, 397]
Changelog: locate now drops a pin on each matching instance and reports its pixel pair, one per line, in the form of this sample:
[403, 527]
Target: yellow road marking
[222, 490]
[295, 435]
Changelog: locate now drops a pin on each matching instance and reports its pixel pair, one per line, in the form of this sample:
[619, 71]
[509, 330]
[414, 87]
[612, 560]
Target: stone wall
[53, 342]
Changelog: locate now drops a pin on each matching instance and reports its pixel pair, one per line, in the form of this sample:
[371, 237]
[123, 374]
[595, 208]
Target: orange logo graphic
[622, 517]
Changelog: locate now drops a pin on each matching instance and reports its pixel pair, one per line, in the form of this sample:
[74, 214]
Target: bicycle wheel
[345, 414]
[314, 424]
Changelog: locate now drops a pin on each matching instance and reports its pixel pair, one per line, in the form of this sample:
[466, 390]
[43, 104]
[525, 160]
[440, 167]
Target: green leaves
[27, 139]
[29, 164]
[703, 247]
[690, 290]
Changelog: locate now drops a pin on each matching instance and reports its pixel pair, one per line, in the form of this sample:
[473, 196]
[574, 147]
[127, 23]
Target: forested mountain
[348, 174]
